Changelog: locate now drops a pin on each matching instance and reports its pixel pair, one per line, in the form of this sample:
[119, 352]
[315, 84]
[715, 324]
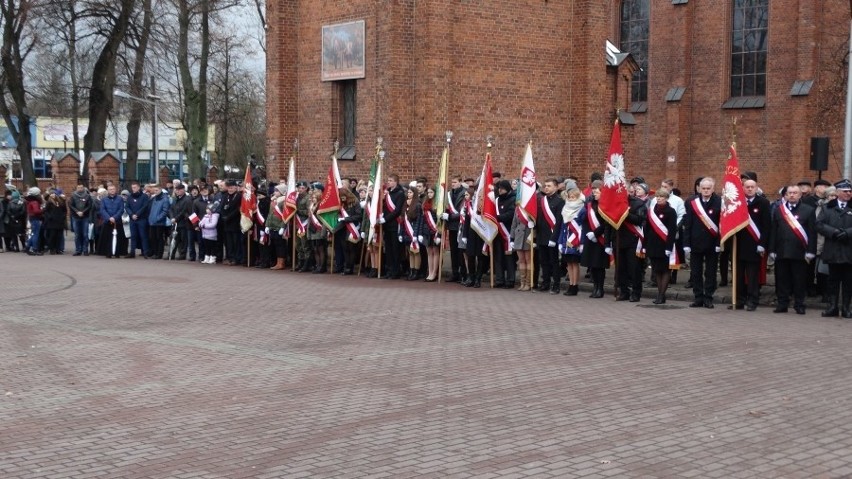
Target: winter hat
[34, 191]
[282, 188]
[16, 195]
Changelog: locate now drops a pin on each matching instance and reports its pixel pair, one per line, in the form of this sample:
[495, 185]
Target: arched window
[635, 26]
[749, 32]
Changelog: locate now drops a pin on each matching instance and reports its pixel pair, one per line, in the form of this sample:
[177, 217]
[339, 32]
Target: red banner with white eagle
[734, 215]
[612, 204]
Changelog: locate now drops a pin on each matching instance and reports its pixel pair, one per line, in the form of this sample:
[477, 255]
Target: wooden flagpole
[491, 259]
[441, 251]
[532, 258]
[379, 256]
[331, 263]
[248, 249]
[293, 236]
[449, 137]
[734, 272]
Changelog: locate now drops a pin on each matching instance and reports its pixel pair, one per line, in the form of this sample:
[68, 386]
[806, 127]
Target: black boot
[554, 289]
[832, 310]
[477, 283]
[572, 290]
[468, 281]
[846, 311]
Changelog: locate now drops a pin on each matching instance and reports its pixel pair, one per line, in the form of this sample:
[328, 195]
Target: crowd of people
[805, 232]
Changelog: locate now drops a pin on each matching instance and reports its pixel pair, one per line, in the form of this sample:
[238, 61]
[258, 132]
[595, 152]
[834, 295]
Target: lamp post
[150, 100]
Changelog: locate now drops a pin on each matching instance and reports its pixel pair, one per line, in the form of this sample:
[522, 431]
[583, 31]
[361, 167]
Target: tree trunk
[195, 99]
[103, 82]
[136, 90]
[14, 15]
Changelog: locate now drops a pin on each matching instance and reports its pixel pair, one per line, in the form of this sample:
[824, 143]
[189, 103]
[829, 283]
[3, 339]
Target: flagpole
[331, 263]
[449, 137]
[293, 235]
[379, 245]
[734, 271]
[532, 258]
[491, 259]
[248, 249]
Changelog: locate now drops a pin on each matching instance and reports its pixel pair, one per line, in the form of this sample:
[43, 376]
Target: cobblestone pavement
[134, 368]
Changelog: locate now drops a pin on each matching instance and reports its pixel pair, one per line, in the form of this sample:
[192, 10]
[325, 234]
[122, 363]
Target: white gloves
[511, 245]
[445, 216]
[281, 232]
[687, 249]
[381, 219]
[718, 249]
[463, 240]
[772, 256]
[668, 253]
[363, 235]
[809, 257]
[580, 249]
[761, 249]
[551, 243]
[608, 251]
[266, 230]
[590, 235]
[419, 238]
[438, 240]
[400, 238]
[531, 225]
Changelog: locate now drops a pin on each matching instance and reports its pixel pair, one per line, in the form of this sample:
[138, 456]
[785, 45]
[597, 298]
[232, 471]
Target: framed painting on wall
[343, 48]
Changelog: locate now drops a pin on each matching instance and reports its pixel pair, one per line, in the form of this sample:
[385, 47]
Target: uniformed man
[392, 205]
[504, 257]
[624, 240]
[304, 252]
[835, 224]
[547, 228]
[701, 241]
[792, 244]
[455, 201]
[229, 216]
[752, 242]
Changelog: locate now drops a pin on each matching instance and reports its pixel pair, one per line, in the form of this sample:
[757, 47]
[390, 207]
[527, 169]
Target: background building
[538, 70]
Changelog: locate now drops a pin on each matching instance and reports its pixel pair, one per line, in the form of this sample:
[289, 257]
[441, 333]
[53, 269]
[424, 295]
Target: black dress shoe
[77, 254]
[737, 307]
[800, 309]
[688, 285]
[779, 309]
[709, 304]
[696, 304]
[847, 313]
[635, 299]
[623, 297]
[750, 307]
[830, 313]
[544, 287]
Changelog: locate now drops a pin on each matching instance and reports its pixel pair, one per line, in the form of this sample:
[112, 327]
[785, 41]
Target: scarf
[571, 209]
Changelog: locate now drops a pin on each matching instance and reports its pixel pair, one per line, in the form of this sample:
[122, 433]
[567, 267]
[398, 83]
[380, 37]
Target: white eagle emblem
[730, 198]
[614, 175]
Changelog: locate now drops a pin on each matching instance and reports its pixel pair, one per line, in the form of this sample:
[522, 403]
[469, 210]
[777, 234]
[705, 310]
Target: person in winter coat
[158, 219]
[80, 205]
[660, 233]
[411, 232]
[351, 224]
[520, 231]
[112, 242]
[179, 214]
[570, 237]
[432, 238]
[504, 256]
[16, 212]
[835, 224]
[209, 235]
[35, 215]
[55, 214]
[137, 208]
[317, 232]
[595, 254]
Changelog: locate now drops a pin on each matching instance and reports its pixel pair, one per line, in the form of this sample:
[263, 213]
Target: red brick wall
[535, 69]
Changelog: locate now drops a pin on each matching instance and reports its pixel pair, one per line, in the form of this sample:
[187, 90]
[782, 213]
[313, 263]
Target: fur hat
[34, 191]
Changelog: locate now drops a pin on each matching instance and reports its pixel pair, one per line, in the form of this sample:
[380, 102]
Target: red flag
[613, 201]
[249, 203]
[734, 214]
[329, 205]
[485, 224]
[528, 206]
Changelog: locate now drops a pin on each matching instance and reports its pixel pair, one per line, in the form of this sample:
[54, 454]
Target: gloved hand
[591, 236]
[772, 256]
[381, 219]
[438, 241]
[840, 235]
[363, 235]
[445, 216]
[718, 249]
[281, 232]
[420, 238]
[463, 240]
[531, 224]
[512, 245]
[551, 244]
[580, 249]
[266, 230]
[809, 257]
[761, 249]
[608, 251]
[400, 238]
[687, 249]
[668, 253]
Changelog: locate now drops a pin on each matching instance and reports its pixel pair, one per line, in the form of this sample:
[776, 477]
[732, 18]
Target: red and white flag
[485, 224]
[292, 194]
[613, 205]
[527, 205]
[734, 215]
[248, 206]
[194, 219]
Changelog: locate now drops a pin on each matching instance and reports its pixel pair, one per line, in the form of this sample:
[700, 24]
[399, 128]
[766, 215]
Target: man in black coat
[701, 241]
[547, 228]
[393, 205]
[752, 242]
[229, 216]
[624, 239]
[179, 212]
[835, 224]
[792, 244]
[455, 201]
[504, 262]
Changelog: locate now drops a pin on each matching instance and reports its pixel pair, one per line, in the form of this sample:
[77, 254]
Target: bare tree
[194, 94]
[141, 36]
[18, 41]
[103, 75]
